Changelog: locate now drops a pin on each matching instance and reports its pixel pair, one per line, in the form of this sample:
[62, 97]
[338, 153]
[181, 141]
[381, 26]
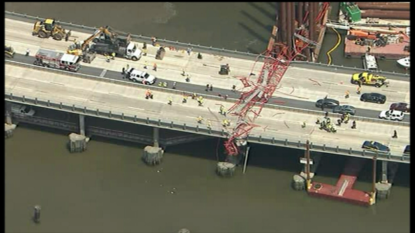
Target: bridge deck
[130, 100]
[298, 83]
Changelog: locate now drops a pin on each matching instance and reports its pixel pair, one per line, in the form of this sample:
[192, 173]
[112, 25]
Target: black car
[373, 98]
[407, 150]
[327, 103]
[403, 107]
[343, 109]
[375, 146]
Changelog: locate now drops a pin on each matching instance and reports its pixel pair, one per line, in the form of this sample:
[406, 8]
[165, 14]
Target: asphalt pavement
[194, 88]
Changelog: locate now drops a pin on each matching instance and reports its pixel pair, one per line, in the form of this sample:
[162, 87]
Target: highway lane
[191, 87]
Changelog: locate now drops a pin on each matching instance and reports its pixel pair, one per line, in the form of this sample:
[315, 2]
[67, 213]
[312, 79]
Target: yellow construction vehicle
[49, 28]
[9, 52]
[81, 48]
[367, 78]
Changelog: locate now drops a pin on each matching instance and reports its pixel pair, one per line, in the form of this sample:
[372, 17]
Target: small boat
[404, 62]
[370, 63]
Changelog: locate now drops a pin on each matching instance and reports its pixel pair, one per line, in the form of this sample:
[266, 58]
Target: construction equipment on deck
[82, 48]
[351, 10]
[9, 52]
[49, 28]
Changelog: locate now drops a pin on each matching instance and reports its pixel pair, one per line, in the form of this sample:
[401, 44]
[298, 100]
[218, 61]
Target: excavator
[81, 49]
[49, 28]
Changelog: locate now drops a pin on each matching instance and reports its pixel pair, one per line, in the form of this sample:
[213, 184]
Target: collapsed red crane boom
[271, 74]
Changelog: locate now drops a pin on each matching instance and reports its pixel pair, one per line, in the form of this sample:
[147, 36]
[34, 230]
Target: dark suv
[373, 98]
[327, 103]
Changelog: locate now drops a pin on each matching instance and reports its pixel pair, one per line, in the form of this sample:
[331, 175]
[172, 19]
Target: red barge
[343, 190]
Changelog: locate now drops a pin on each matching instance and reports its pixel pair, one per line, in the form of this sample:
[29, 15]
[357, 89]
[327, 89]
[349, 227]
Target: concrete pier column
[77, 142]
[82, 125]
[299, 180]
[383, 187]
[156, 136]
[153, 155]
[9, 127]
[8, 113]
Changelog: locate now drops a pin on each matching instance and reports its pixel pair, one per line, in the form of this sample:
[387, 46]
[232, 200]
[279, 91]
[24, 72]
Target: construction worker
[226, 123]
[303, 125]
[347, 94]
[199, 119]
[346, 118]
[113, 55]
[164, 84]
[222, 110]
[144, 52]
[170, 101]
[160, 84]
[318, 121]
[207, 87]
[153, 41]
[123, 72]
[108, 58]
[211, 87]
[225, 97]
[155, 67]
[326, 115]
[339, 122]
[358, 89]
[145, 64]
[183, 73]
[200, 100]
[174, 85]
[395, 134]
[209, 125]
[149, 94]
[328, 120]
[67, 35]
[194, 96]
[184, 99]
[354, 125]
[27, 52]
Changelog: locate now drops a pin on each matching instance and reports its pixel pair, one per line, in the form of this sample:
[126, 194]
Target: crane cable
[339, 39]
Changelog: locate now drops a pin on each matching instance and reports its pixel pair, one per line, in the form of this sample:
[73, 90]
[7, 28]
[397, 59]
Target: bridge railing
[179, 92]
[213, 50]
[193, 128]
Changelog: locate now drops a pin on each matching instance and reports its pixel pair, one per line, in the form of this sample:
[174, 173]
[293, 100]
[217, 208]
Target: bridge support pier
[227, 168]
[299, 180]
[78, 142]
[153, 155]
[383, 187]
[9, 127]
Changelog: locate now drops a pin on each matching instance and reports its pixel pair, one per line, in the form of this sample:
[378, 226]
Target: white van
[22, 110]
[138, 76]
[393, 115]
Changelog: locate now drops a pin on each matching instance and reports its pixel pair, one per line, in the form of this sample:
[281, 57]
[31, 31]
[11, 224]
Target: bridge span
[68, 92]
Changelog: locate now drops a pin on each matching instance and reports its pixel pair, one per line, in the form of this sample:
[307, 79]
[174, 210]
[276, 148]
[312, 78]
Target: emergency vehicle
[57, 60]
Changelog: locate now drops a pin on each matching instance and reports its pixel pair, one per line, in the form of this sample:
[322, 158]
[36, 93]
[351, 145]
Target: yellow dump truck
[367, 78]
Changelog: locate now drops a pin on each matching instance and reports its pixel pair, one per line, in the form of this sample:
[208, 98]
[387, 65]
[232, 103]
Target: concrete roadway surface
[190, 87]
[120, 98]
[298, 88]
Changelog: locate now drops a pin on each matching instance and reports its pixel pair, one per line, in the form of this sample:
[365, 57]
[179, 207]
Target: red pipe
[386, 14]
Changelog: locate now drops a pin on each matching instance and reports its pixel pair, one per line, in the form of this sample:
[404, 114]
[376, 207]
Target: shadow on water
[253, 33]
[268, 28]
[264, 11]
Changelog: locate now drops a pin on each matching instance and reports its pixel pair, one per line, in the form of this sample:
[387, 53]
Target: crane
[272, 71]
[79, 49]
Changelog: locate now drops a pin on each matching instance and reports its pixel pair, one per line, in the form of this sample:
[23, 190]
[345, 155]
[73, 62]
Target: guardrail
[179, 92]
[213, 50]
[192, 128]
